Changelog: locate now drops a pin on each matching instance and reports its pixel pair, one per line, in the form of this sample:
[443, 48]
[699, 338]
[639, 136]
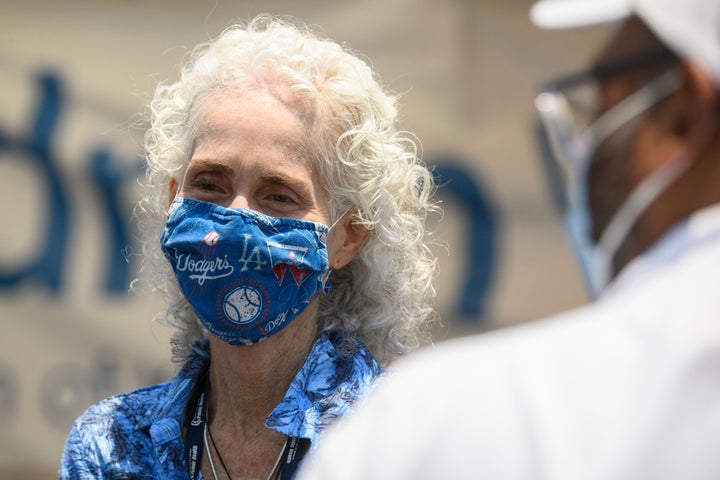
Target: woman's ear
[172, 190]
[345, 240]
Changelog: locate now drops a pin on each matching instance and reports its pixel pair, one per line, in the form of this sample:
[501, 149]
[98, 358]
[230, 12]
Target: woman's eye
[280, 198]
[206, 186]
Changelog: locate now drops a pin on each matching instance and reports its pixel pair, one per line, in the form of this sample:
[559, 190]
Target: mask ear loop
[647, 191]
[325, 277]
[631, 209]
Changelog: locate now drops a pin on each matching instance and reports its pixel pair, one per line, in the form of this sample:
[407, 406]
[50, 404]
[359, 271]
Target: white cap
[691, 28]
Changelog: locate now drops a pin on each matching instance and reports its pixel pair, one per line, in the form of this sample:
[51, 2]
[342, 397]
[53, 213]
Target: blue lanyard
[294, 452]
[195, 430]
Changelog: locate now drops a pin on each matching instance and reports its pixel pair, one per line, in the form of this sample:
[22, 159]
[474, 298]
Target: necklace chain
[271, 475]
[207, 449]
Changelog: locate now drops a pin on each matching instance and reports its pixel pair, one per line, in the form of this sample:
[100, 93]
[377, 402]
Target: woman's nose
[240, 201]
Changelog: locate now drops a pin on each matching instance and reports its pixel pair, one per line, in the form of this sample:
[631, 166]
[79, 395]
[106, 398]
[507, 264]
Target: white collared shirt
[625, 388]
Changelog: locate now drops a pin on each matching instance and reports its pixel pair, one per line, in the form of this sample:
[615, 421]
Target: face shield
[573, 127]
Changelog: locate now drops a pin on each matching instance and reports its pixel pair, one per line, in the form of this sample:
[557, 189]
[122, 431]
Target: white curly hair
[386, 294]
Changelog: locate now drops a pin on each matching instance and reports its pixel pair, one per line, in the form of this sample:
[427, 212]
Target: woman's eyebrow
[280, 177]
[213, 165]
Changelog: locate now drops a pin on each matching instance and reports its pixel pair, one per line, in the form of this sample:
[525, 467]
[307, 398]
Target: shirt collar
[338, 370]
[699, 228]
[182, 386]
[325, 387]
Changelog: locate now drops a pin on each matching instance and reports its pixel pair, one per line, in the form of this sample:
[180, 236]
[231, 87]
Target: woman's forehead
[233, 118]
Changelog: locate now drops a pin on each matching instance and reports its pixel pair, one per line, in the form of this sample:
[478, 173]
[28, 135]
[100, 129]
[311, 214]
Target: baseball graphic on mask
[243, 304]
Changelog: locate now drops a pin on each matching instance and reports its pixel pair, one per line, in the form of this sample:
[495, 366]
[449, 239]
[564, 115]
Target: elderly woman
[294, 259]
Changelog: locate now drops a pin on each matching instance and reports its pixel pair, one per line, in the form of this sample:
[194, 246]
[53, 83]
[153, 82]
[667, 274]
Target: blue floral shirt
[138, 435]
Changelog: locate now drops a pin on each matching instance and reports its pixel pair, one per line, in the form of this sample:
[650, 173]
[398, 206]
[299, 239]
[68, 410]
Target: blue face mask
[245, 274]
[576, 151]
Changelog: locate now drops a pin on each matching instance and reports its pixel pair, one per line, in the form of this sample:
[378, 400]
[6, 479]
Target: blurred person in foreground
[627, 387]
[293, 257]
